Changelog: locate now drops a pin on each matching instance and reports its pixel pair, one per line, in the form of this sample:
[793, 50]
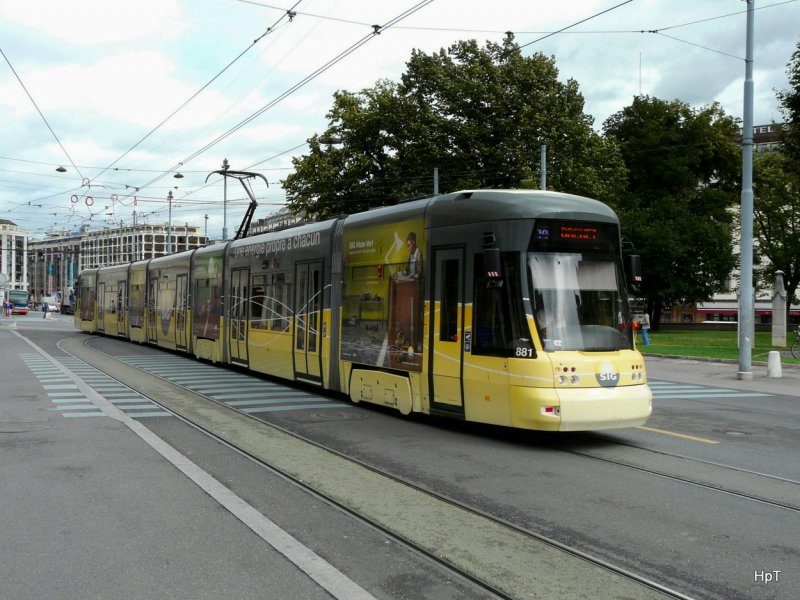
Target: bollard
[774, 365]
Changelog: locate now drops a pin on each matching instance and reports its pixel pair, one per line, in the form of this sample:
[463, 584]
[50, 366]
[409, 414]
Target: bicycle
[795, 349]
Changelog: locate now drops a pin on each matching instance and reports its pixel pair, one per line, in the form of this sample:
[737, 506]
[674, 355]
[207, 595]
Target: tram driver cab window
[499, 326]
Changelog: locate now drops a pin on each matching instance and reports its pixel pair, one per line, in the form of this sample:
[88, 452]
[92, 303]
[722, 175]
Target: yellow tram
[506, 307]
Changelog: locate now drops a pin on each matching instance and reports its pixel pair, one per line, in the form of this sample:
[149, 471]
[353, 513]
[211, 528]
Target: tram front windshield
[579, 302]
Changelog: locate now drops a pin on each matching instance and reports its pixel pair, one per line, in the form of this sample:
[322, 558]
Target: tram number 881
[523, 352]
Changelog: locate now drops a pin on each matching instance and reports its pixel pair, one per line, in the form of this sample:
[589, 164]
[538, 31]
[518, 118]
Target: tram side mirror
[492, 268]
[633, 271]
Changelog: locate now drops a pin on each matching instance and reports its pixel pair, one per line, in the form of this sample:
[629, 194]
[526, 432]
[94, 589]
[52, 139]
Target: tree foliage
[776, 223]
[478, 114]
[790, 109]
[683, 167]
[776, 195]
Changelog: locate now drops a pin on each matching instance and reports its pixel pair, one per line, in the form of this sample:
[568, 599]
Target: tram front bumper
[580, 409]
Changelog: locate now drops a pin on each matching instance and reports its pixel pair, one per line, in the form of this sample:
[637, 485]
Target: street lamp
[329, 140]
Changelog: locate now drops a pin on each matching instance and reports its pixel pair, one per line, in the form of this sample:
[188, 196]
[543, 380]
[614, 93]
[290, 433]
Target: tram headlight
[565, 379]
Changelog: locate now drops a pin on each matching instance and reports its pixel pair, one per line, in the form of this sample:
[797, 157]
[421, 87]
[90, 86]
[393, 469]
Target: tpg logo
[606, 375]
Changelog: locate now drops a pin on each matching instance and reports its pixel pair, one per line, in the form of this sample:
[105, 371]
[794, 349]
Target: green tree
[683, 167]
[478, 114]
[776, 194]
[776, 222]
[790, 109]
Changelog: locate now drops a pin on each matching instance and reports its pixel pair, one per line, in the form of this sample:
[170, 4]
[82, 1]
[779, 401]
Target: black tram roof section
[481, 206]
[498, 205]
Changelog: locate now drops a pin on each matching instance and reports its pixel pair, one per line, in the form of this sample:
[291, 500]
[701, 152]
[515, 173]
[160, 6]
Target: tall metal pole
[543, 167]
[205, 231]
[135, 239]
[169, 224]
[225, 166]
[746, 317]
[435, 181]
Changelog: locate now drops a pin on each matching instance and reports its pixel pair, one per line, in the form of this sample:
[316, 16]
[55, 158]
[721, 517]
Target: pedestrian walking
[44, 310]
[645, 329]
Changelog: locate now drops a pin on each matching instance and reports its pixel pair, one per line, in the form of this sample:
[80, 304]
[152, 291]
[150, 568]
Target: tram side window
[498, 326]
[281, 288]
[206, 299]
[258, 304]
[448, 326]
[88, 295]
[137, 305]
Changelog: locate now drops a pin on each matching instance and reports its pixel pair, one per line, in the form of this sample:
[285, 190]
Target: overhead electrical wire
[496, 31]
[576, 23]
[291, 12]
[36, 106]
[288, 14]
[377, 29]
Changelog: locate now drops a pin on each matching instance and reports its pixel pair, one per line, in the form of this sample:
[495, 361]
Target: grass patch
[711, 344]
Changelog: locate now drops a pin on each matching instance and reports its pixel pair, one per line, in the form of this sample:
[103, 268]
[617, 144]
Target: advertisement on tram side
[382, 296]
[207, 296]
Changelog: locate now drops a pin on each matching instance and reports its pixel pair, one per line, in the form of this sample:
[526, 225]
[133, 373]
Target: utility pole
[205, 231]
[135, 239]
[543, 167]
[746, 317]
[225, 166]
[169, 224]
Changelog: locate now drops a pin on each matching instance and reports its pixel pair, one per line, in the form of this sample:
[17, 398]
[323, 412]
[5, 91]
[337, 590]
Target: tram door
[447, 330]
[122, 307]
[101, 302]
[239, 303]
[152, 308]
[307, 320]
[181, 311]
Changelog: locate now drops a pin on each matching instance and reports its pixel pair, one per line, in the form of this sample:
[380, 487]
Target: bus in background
[19, 301]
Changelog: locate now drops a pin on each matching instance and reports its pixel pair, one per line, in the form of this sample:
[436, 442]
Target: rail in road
[493, 552]
[506, 560]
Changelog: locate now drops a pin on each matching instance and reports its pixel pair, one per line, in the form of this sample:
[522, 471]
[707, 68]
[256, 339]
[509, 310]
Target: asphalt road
[618, 495]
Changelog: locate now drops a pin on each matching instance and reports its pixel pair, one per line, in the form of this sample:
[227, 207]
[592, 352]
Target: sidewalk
[90, 510]
[723, 373]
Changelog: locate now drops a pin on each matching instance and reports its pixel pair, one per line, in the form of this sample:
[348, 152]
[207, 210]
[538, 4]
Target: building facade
[13, 250]
[55, 261]
[280, 220]
[104, 247]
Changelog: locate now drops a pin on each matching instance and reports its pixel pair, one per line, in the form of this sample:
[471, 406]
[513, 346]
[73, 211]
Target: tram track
[528, 546]
[780, 490]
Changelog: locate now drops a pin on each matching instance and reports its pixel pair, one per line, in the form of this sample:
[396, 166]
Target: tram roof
[494, 205]
[474, 206]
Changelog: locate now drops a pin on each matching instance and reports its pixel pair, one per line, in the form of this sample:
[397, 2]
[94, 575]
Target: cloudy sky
[125, 94]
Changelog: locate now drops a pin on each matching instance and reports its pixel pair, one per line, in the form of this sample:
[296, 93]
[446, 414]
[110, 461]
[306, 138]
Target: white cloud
[106, 73]
[95, 22]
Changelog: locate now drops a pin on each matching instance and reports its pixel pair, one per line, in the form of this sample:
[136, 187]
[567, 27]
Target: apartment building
[13, 249]
[55, 261]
